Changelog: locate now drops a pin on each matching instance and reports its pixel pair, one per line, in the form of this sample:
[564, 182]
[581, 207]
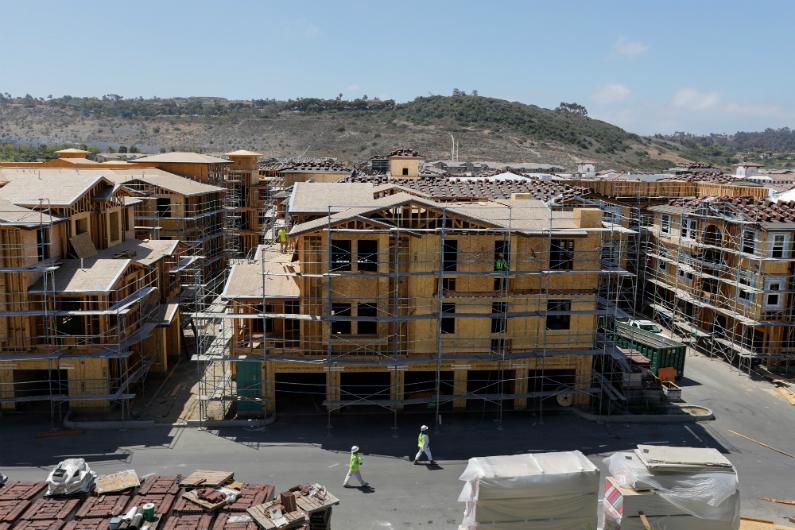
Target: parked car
[647, 325]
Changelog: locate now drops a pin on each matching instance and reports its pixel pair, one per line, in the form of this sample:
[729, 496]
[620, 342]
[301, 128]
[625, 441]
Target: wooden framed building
[85, 311]
[401, 301]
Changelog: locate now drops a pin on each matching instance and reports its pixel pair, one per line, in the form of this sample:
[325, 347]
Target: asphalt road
[301, 449]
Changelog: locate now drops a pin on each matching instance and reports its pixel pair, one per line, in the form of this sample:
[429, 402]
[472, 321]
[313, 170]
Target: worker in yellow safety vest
[353, 467]
[281, 234]
[500, 263]
[424, 445]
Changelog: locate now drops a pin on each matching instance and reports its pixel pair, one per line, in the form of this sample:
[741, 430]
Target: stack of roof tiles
[445, 189]
[747, 208]
[316, 166]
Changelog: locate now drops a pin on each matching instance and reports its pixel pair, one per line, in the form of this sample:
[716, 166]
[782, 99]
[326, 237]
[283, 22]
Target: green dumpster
[661, 351]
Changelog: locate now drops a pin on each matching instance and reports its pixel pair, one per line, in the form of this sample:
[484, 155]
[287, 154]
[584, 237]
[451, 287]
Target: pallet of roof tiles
[250, 495]
[160, 485]
[88, 524]
[49, 508]
[39, 525]
[204, 477]
[189, 522]
[313, 498]
[198, 499]
[103, 506]
[116, 482]
[271, 515]
[162, 501]
[234, 521]
[21, 490]
[10, 511]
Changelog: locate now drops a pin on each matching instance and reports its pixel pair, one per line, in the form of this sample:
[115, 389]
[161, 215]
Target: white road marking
[697, 437]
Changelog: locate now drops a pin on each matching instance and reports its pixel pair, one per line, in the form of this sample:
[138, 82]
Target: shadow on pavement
[464, 436]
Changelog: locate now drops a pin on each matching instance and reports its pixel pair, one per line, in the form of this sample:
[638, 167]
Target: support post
[269, 387]
[520, 387]
[333, 393]
[397, 388]
[459, 387]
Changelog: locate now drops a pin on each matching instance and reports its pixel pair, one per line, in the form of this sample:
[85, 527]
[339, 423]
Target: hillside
[486, 128]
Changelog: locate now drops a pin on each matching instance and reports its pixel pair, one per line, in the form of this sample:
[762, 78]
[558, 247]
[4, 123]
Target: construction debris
[762, 444]
[778, 501]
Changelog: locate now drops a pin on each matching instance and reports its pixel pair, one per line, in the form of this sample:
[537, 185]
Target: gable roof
[280, 278]
[13, 215]
[179, 157]
[145, 252]
[25, 187]
[163, 179]
[151, 175]
[319, 197]
[92, 275]
[527, 216]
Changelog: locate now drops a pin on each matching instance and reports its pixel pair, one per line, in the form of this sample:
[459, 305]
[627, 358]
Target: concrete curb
[149, 424]
[215, 424]
[646, 418]
[111, 425]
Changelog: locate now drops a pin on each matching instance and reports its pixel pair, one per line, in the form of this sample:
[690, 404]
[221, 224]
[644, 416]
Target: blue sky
[696, 65]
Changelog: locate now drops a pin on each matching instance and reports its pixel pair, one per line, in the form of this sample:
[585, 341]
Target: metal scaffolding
[45, 326]
[263, 328]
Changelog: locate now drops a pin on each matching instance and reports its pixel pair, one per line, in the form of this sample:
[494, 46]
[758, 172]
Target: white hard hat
[355, 449]
[424, 428]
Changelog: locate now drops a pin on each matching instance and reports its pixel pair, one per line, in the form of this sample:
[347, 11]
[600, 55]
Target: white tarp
[700, 496]
[550, 491]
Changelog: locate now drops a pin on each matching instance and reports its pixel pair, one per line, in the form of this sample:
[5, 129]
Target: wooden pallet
[204, 477]
[260, 513]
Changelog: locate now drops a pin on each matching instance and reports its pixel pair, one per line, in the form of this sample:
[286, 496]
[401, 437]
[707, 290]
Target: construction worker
[500, 263]
[353, 467]
[281, 234]
[424, 444]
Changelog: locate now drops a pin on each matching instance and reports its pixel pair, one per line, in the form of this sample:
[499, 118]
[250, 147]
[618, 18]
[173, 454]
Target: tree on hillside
[573, 108]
